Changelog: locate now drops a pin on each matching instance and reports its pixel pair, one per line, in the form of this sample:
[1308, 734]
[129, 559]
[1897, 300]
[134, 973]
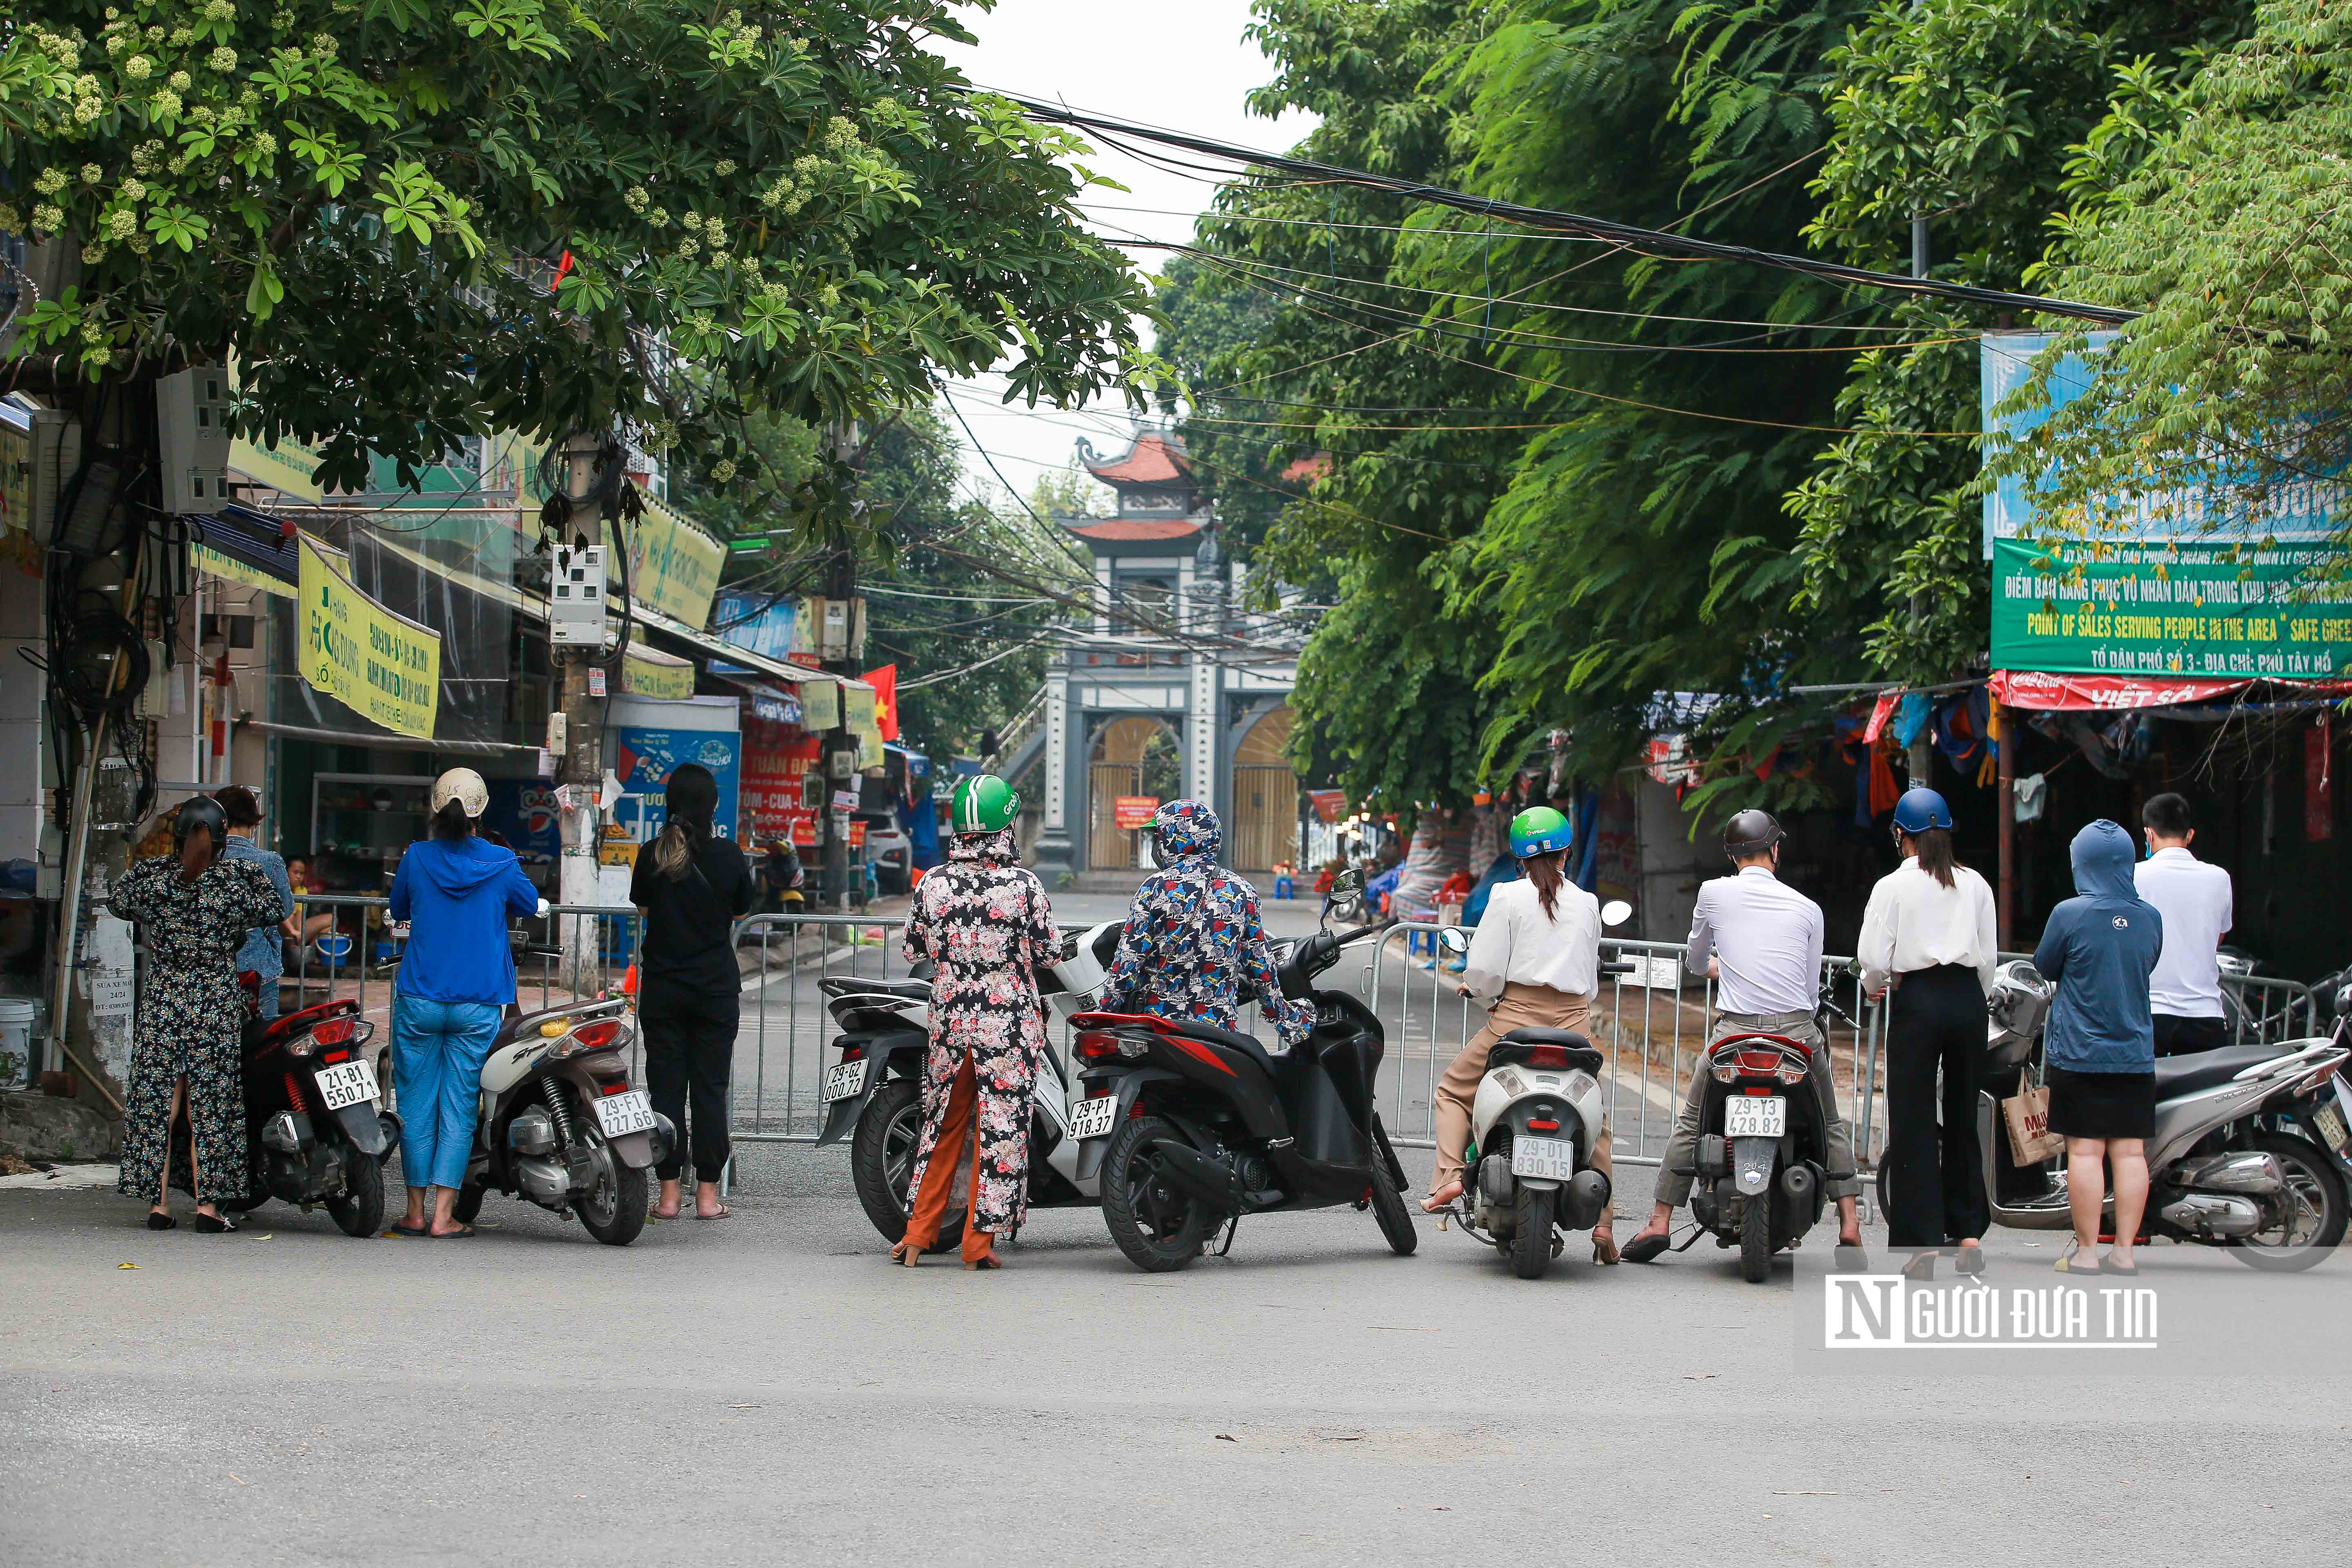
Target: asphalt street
[769, 1389]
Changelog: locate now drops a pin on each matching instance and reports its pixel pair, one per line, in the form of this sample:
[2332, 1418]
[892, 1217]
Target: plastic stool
[1284, 888]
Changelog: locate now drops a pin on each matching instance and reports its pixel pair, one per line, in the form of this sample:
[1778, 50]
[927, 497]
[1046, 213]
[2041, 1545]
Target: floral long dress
[190, 1018]
[984, 920]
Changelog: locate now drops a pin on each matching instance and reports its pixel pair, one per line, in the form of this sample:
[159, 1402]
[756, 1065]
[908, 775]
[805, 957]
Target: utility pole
[840, 749]
[1921, 761]
[581, 767]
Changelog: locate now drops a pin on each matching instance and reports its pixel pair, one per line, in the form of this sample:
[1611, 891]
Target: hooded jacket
[457, 895]
[2099, 949]
[1195, 934]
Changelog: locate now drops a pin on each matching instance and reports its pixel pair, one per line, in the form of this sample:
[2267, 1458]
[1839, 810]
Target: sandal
[2078, 1261]
[906, 1253]
[724, 1213]
[1440, 1199]
[1851, 1257]
[985, 1260]
[2109, 1265]
[1604, 1249]
[1968, 1261]
[1921, 1268]
[1645, 1248]
[459, 1234]
[415, 1232]
[157, 1221]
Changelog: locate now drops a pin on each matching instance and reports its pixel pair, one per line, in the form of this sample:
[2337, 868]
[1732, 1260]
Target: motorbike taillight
[852, 1053]
[1097, 1043]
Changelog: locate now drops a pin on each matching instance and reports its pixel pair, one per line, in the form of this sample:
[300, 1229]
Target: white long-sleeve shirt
[1766, 938]
[1516, 944]
[1914, 922]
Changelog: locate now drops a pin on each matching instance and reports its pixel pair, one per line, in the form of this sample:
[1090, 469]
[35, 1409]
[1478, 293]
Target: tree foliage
[412, 222]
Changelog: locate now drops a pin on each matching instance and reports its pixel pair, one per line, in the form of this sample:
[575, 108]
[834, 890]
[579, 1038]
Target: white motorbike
[1533, 1125]
[873, 1092]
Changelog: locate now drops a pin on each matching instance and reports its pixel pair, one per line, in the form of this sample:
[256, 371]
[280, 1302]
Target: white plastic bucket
[15, 1042]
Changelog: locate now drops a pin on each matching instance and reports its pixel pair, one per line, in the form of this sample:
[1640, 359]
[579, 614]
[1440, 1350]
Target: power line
[1647, 241]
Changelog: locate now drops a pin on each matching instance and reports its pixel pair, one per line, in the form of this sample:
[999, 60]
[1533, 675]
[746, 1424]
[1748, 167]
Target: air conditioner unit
[194, 409]
[33, 467]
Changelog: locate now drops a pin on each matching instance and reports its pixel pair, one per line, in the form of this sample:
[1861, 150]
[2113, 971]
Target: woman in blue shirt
[456, 977]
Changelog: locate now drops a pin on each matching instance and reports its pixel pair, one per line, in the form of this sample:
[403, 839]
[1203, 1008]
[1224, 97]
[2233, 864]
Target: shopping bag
[2027, 1116]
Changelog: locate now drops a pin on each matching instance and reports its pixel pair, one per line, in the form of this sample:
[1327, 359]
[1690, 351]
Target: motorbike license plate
[1554, 1159]
[625, 1112]
[1092, 1117]
[2330, 1121]
[1747, 1117]
[346, 1083]
[846, 1079]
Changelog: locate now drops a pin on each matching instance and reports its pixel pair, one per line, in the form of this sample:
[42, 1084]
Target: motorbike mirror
[1345, 884]
[2344, 1002]
[1616, 912]
[1452, 940]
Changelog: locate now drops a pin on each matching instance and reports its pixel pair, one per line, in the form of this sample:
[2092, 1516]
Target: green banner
[2283, 612]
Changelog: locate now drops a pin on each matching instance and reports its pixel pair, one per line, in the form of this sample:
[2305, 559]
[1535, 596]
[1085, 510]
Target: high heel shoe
[1604, 1249]
[1921, 1268]
[908, 1254]
[985, 1260]
[1968, 1261]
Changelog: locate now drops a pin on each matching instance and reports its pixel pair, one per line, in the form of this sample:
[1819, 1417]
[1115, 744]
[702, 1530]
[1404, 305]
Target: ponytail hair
[1934, 846]
[451, 821]
[197, 851]
[693, 799]
[1546, 872]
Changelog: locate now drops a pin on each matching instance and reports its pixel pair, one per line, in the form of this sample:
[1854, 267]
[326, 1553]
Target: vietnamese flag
[885, 682]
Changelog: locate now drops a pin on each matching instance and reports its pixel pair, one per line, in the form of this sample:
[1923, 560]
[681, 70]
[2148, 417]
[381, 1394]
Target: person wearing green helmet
[1534, 963]
[984, 921]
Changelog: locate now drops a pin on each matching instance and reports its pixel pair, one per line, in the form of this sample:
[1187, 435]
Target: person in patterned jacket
[984, 921]
[1193, 935]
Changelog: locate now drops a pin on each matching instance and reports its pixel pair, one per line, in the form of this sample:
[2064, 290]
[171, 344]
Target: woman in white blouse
[1534, 963]
[1928, 933]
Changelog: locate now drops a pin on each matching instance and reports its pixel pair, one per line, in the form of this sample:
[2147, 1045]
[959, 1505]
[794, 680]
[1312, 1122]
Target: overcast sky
[1186, 66]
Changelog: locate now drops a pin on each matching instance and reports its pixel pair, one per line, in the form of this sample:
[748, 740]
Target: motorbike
[561, 1124]
[2247, 1152]
[1189, 1127]
[316, 1133]
[1533, 1124]
[873, 1092]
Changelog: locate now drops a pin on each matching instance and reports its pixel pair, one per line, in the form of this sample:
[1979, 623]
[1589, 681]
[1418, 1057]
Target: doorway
[1133, 756]
[1265, 795]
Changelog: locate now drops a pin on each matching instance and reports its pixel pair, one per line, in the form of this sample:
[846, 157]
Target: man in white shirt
[2195, 900]
[1761, 941]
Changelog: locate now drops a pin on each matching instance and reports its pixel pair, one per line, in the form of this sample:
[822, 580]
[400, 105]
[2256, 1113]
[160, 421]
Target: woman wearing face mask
[692, 888]
[196, 908]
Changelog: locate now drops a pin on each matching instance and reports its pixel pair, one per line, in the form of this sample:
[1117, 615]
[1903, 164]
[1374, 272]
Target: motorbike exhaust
[1197, 1176]
[2243, 1172]
[1583, 1200]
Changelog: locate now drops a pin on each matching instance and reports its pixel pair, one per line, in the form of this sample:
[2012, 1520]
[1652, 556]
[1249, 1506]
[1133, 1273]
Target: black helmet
[200, 811]
[1749, 832]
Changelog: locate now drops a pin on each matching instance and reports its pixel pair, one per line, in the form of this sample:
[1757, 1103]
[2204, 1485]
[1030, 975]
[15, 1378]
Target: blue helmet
[1538, 830]
[1920, 809]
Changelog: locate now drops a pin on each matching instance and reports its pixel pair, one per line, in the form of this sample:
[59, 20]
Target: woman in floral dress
[985, 922]
[195, 910]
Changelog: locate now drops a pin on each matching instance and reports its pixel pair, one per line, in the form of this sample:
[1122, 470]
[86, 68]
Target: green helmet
[1538, 830]
[983, 803]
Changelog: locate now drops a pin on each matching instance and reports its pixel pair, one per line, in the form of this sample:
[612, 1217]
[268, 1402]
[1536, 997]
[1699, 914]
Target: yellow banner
[820, 705]
[289, 467]
[379, 665]
[214, 564]
[857, 717]
[672, 565]
[650, 674]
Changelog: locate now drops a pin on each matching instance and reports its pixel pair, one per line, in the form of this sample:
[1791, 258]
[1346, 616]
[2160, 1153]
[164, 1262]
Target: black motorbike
[316, 1133]
[1187, 1127]
[1762, 1157]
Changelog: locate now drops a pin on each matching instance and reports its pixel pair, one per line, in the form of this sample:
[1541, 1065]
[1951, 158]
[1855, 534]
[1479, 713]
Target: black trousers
[1934, 1186]
[2177, 1036]
[690, 1037]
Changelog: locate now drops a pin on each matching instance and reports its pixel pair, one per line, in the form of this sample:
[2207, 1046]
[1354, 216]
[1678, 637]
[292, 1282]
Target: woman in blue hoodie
[2099, 1046]
[456, 977]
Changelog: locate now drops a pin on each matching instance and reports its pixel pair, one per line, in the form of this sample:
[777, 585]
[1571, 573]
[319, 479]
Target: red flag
[885, 682]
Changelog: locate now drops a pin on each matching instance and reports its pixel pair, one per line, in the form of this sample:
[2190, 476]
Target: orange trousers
[957, 1148]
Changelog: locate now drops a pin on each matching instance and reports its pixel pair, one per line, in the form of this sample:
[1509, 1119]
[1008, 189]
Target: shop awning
[2116, 693]
[727, 652]
[773, 703]
[249, 547]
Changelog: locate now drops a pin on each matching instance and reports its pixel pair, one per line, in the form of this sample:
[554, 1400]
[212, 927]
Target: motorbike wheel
[1756, 1239]
[1387, 1207]
[469, 1203]
[360, 1210]
[882, 1164]
[2317, 1210]
[1531, 1240]
[1158, 1228]
[613, 1212]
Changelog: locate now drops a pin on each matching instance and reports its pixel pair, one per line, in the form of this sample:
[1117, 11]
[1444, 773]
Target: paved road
[769, 1390]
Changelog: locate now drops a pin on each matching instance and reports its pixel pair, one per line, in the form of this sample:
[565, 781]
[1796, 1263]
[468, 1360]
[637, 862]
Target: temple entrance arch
[1132, 755]
[1265, 826]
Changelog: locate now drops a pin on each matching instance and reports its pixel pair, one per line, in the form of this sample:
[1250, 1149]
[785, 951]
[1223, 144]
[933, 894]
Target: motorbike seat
[1519, 1045]
[851, 985]
[2177, 1076]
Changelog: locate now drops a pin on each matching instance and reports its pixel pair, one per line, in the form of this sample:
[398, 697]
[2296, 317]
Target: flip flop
[460, 1234]
[1644, 1248]
[412, 1231]
[2107, 1264]
[724, 1213]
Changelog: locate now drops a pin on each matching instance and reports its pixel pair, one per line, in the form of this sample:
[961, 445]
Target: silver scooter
[2240, 1156]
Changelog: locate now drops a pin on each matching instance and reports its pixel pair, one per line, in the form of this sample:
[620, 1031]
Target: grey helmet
[1750, 832]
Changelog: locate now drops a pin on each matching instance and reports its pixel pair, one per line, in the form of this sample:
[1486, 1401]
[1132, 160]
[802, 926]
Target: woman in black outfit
[691, 888]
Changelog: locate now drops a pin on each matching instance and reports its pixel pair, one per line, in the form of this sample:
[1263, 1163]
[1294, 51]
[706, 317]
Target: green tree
[411, 222]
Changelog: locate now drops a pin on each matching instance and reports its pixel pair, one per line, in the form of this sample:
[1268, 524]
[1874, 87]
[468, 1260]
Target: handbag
[2026, 1114]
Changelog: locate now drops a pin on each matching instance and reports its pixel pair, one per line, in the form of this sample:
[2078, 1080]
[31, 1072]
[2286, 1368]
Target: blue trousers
[438, 1050]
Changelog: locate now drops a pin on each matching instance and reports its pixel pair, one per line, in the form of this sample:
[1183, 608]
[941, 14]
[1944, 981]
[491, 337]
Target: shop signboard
[776, 762]
[382, 666]
[763, 622]
[1133, 811]
[644, 759]
[672, 565]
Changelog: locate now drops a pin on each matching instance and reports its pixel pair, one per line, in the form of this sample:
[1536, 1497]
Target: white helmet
[465, 786]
